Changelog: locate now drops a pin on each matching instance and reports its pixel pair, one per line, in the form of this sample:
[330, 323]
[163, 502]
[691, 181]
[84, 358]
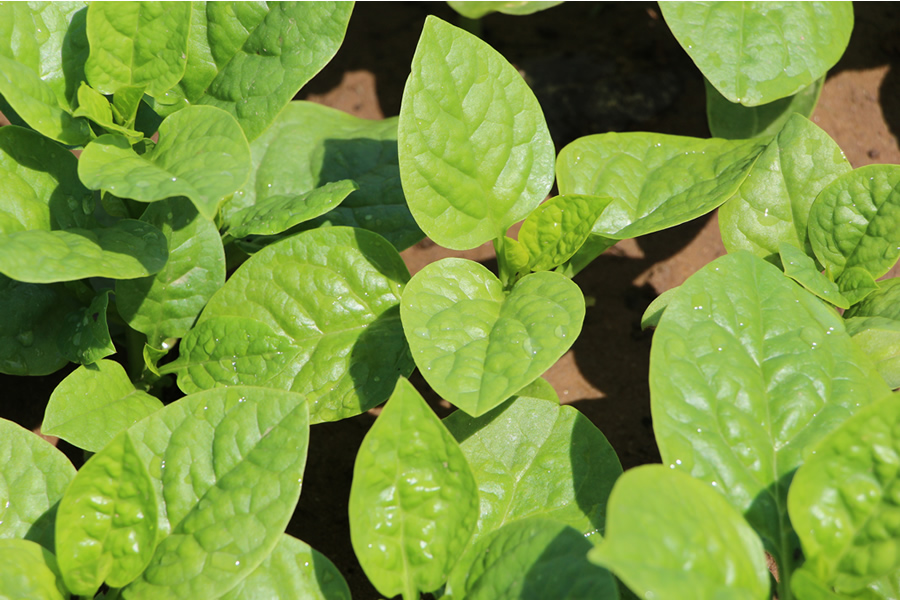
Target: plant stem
[505, 271]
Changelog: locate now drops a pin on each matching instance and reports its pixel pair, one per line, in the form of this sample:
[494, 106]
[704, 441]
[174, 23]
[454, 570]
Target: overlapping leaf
[874, 324]
[802, 268]
[30, 571]
[734, 121]
[558, 228]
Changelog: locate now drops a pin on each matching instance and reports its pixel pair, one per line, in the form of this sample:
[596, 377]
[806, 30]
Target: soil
[595, 67]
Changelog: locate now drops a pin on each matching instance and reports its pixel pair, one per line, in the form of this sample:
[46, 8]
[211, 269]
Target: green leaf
[346, 346]
[165, 305]
[227, 466]
[708, 549]
[128, 249]
[757, 52]
[33, 477]
[84, 338]
[29, 572]
[475, 152]
[93, 404]
[880, 339]
[843, 500]
[107, 520]
[476, 345]
[276, 214]
[594, 246]
[534, 458]
[126, 102]
[747, 372]
[554, 231]
[251, 59]
[202, 154]
[657, 181]
[476, 10]
[137, 44]
[802, 268]
[734, 121]
[883, 303]
[856, 283]
[94, 105]
[657, 308]
[531, 559]
[293, 570]
[772, 206]
[413, 501]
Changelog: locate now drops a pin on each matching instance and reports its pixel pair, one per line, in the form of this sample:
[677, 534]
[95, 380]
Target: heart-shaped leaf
[475, 344]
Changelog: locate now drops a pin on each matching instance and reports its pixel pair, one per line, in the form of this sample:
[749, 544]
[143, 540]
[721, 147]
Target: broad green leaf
[277, 214]
[127, 250]
[534, 458]
[475, 152]
[94, 105]
[137, 44]
[475, 344]
[802, 268]
[476, 10]
[757, 52]
[107, 520]
[227, 465]
[346, 348]
[251, 58]
[28, 343]
[84, 338]
[310, 145]
[94, 404]
[855, 221]
[668, 533]
[843, 500]
[883, 303]
[165, 305]
[33, 477]
[880, 339]
[531, 559]
[293, 570]
[734, 121]
[554, 231]
[202, 154]
[747, 372]
[772, 206]
[413, 501]
[657, 181]
[29, 572]
[856, 283]
[657, 307]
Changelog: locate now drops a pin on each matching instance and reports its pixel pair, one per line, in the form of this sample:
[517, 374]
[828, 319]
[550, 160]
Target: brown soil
[595, 67]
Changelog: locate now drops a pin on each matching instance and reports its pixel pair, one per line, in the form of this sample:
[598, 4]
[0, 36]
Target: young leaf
[657, 181]
[708, 549]
[757, 52]
[531, 559]
[748, 371]
[106, 523]
[166, 305]
[222, 511]
[293, 570]
[772, 206]
[733, 121]
[413, 501]
[94, 105]
[33, 477]
[202, 154]
[802, 268]
[855, 221]
[555, 231]
[137, 44]
[475, 152]
[94, 404]
[475, 344]
[532, 457]
[346, 347]
[29, 571]
[843, 500]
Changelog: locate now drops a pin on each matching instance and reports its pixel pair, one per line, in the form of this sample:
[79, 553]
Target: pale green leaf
[29, 572]
[880, 339]
[476, 10]
[475, 344]
[883, 303]
[94, 404]
[125, 104]
[555, 231]
[94, 105]
[734, 121]
[856, 283]
[657, 181]
[475, 153]
[708, 549]
[413, 501]
[202, 154]
[757, 52]
[802, 268]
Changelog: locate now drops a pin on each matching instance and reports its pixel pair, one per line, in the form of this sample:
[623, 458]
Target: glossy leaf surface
[94, 404]
[748, 372]
[657, 181]
[475, 152]
[413, 501]
[734, 121]
[555, 231]
[758, 52]
[475, 344]
[802, 268]
[709, 549]
[29, 572]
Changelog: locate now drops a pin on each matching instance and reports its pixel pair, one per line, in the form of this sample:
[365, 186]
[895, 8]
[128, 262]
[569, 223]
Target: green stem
[505, 271]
